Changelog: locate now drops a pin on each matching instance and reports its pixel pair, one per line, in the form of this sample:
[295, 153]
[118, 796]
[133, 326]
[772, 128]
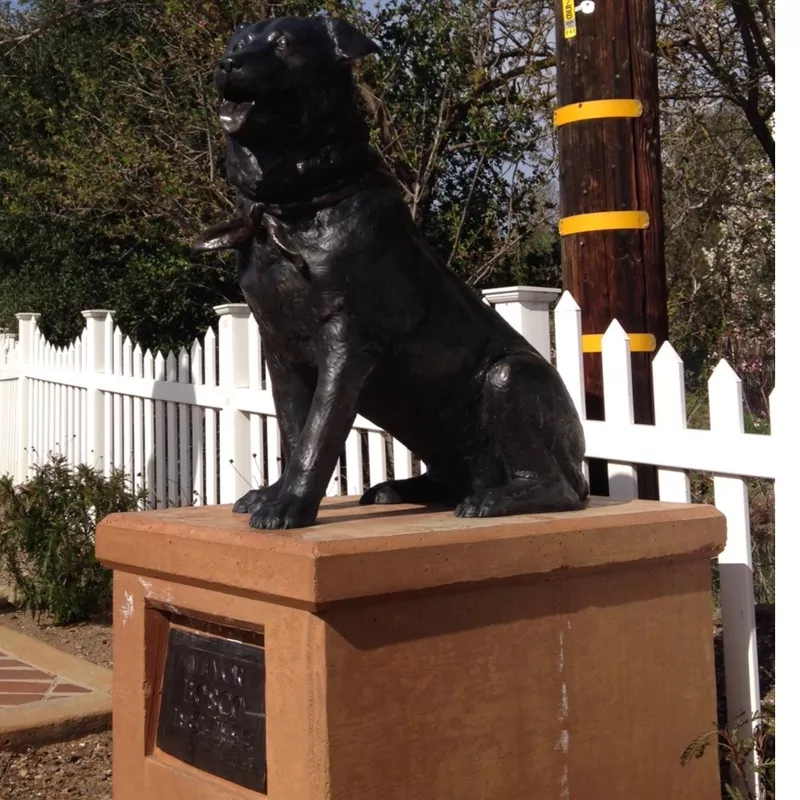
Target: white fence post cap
[522, 294]
[233, 310]
[97, 313]
[26, 316]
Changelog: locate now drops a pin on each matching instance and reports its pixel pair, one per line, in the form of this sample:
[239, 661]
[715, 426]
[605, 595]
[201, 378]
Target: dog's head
[269, 61]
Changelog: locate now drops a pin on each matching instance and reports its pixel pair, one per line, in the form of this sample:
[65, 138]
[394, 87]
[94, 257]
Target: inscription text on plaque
[212, 713]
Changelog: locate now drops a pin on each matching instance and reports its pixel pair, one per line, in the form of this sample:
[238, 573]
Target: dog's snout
[227, 64]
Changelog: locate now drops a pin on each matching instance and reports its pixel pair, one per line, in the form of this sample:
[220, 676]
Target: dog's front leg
[347, 364]
[292, 396]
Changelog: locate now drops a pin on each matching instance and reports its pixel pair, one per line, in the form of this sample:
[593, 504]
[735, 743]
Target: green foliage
[112, 157]
[47, 528]
[735, 752]
[462, 114]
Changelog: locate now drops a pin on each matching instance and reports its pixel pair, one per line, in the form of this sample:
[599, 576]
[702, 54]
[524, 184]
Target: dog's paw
[256, 498]
[252, 499]
[481, 504]
[384, 494]
[284, 513]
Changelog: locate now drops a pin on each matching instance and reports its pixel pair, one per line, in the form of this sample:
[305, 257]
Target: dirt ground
[89, 640]
[80, 768]
[65, 770]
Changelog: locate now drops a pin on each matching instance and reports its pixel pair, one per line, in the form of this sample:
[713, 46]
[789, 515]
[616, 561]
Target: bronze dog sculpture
[356, 313]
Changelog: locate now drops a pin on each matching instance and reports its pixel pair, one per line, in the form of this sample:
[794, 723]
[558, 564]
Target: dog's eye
[282, 42]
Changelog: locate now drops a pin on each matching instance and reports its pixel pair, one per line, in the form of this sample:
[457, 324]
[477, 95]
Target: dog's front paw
[256, 498]
[287, 511]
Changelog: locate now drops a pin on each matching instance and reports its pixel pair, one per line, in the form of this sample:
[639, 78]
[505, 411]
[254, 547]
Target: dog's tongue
[234, 115]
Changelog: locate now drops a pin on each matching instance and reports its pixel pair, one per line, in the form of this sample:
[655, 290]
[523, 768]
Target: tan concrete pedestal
[414, 656]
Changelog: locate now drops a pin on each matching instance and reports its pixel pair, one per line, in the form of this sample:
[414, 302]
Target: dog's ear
[235, 35]
[349, 43]
[226, 236]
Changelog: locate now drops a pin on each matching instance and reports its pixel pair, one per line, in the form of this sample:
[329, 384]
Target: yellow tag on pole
[570, 25]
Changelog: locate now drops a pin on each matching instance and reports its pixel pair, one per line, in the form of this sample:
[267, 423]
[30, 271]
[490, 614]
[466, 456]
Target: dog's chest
[282, 300]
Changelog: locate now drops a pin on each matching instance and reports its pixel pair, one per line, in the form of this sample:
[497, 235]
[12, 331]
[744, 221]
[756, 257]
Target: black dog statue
[357, 314]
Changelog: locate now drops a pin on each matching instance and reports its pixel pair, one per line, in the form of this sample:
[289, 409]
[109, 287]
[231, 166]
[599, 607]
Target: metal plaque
[212, 707]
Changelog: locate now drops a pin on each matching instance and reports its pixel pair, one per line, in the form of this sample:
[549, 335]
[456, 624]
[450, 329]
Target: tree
[112, 158]
[717, 98]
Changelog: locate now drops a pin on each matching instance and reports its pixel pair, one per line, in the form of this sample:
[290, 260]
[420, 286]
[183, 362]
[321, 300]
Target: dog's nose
[227, 65]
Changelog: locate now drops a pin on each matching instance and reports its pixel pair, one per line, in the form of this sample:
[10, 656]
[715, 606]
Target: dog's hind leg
[422, 490]
[532, 423]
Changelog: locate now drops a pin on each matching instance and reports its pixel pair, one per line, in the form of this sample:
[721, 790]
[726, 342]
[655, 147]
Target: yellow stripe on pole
[604, 221]
[640, 343]
[596, 109]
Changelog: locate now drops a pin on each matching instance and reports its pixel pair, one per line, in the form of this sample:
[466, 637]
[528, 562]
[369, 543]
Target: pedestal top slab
[359, 551]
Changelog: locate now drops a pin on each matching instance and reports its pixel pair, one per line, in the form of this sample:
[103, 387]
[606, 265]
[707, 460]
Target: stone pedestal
[410, 655]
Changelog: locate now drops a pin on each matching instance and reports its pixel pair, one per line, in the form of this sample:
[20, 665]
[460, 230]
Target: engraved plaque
[212, 707]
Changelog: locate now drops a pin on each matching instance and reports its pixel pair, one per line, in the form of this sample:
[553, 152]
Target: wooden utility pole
[610, 162]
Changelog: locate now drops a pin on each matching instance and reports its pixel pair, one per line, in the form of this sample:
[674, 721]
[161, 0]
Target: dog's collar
[331, 157]
[371, 179]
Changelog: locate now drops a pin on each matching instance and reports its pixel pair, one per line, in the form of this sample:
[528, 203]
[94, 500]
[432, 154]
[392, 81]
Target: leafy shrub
[47, 529]
[735, 752]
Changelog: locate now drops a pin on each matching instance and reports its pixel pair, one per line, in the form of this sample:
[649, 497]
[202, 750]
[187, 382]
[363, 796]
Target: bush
[47, 529]
[735, 752]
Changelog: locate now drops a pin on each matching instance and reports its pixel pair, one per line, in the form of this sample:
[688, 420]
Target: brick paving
[47, 695]
[22, 684]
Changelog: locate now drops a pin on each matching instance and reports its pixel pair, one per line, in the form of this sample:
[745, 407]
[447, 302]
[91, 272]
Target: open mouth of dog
[233, 115]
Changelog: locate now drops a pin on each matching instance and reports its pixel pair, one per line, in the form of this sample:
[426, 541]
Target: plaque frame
[227, 663]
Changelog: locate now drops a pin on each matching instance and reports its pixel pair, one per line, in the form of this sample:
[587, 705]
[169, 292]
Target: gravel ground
[80, 768]
[65, 770]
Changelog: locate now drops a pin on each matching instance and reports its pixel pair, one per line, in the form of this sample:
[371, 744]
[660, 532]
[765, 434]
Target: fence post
[234, 425]
[95, 430]
[527, 310]
[27, 325]
[737, 600]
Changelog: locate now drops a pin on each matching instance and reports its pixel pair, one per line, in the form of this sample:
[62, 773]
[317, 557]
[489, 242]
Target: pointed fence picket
[172, 435]
[736, 561]
[376, 447]
[354, 457]
[403, 460]
[148, 411]
[9, 402]
[275, 461]
[211, 421]
[127, 409]
[160, 434]
[669, 392]
[138, 424]
[184, 446]
[255, 369]
[108, 397]
[198, 464]
[200, 427]
[117, 402]
[72, 434]
[618, 405]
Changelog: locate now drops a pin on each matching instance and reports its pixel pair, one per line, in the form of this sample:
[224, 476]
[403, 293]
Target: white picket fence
[8, 403]
[198, 427]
